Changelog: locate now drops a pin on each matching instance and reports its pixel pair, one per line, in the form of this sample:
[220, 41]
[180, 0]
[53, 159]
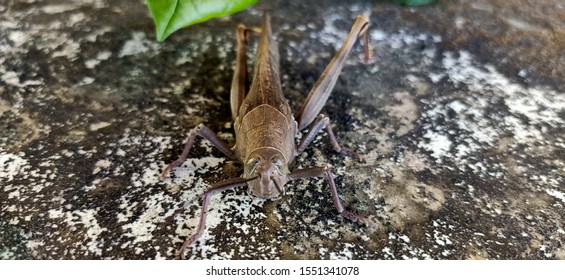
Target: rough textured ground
[460, 118]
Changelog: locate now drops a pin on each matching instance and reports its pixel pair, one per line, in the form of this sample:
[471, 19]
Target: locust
[265, 127]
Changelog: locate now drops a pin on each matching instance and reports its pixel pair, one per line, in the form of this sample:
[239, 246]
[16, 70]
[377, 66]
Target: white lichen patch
[557, 194]
[345, 254]
[478, 131]
[100, 165]
[85, 219]
[93, 230]
[101, 56]
[40, 178]
[86, 81]
[142, 228]
[68, 48]
[58, 8]
[12, 78]
[18, 38]
[10, 166]
[438, 144]
[99, 125]
[404, 249]
[138, 44]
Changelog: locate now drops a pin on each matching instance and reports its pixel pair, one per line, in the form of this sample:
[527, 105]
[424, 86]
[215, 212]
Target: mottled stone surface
[460, 118]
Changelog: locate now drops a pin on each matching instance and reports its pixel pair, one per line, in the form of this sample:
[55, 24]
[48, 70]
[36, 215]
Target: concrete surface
[460, 118]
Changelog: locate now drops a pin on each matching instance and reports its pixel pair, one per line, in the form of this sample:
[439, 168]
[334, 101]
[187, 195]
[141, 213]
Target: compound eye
[277, 163]
[253, 163]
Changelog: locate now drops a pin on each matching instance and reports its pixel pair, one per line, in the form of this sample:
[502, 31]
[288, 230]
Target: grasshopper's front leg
[202, 131]
[323, 122]
[326, 173]
[212, 189]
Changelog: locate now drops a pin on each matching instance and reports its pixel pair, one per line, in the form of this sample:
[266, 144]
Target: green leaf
[172, 15]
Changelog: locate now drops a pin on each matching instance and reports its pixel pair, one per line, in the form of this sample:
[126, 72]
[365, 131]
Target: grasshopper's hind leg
[324, 85]
[310, 112]
[240, 82]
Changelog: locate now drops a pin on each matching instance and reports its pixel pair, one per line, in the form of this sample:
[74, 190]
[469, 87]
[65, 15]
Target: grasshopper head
[271, 168]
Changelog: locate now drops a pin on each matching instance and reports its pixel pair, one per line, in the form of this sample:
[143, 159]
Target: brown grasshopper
[265, 127]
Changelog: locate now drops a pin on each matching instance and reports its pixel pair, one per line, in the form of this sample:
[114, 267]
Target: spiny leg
[204, 132]
[212, 189]
[319, 123]
[326, 172]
